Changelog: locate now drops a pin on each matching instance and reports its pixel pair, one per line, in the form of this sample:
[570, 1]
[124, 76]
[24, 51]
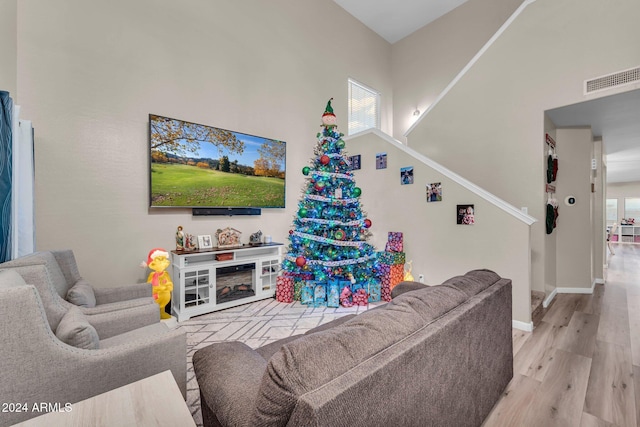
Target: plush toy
[158, 261]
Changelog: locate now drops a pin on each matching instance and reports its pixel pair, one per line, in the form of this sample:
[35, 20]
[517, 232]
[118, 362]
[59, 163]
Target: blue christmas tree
[330, 231]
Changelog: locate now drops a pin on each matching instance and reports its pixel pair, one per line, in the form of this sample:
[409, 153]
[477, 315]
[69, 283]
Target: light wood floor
[581, 365]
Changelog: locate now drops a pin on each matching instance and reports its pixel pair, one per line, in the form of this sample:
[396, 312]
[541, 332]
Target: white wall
[8, 47]
[490, 126]
[426, 61]
[598, 211]
[574, 148]
[438, 247]
[91, 72]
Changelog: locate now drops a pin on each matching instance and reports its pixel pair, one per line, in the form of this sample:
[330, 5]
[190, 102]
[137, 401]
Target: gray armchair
[39, 363]
[111, 310]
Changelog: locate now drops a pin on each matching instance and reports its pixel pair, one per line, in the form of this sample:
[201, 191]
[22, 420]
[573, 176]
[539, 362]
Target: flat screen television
[200, 166]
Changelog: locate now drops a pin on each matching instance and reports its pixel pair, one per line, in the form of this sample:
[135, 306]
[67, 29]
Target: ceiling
[615, 118]
[395, 19]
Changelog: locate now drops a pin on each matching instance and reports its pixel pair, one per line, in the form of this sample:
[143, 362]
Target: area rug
[255, 324]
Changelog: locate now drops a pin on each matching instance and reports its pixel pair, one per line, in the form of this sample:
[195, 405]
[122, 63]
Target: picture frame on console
[205, 242]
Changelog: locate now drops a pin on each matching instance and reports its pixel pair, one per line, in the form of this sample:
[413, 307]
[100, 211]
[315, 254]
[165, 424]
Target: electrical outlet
[421, 278]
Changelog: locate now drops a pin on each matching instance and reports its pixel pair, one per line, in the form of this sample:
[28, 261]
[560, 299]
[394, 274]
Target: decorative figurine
[408, 277]
[256, 238]
[228, 238]
[158, 261]
[189, 242]
[179, 239]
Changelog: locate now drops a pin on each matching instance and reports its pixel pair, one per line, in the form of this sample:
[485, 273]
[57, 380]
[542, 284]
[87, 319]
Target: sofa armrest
[122, 293]
[404, 287]
[229, 375]
[111, 323]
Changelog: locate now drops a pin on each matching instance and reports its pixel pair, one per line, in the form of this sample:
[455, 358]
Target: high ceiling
[395, 19]
[614, 118]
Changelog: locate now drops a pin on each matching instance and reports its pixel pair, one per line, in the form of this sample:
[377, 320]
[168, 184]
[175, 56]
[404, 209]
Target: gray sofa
[433, 356]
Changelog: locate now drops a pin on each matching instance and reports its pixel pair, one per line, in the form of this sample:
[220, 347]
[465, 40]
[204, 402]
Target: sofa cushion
[54, 273]
[474, 281]
[10, 279]
[82, 295]
[75, 330]
[309, 362]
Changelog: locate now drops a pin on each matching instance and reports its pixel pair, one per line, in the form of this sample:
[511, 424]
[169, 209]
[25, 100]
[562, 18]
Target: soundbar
[225, 211]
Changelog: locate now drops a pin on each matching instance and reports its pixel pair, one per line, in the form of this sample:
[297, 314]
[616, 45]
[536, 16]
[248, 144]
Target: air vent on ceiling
[609, 81]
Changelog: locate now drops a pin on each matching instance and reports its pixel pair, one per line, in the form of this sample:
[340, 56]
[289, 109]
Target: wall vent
[621, 78]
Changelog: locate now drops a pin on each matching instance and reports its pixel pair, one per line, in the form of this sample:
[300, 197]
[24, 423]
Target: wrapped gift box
[320, 295]
[306, 294]
[374, 292]
[391, 258]
[395, 242]
[333, 294]
[284, 288]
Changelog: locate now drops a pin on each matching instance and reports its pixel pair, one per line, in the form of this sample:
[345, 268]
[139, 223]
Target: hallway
[581, 365]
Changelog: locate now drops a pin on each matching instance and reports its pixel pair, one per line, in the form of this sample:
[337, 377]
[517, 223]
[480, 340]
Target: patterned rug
[255, 324]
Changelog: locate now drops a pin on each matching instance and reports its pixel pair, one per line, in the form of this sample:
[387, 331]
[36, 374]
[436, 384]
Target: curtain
[23, 238]
[6, 106]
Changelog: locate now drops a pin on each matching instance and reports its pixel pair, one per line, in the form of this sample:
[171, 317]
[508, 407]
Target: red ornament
[290, 231]
[367, 223]
[301, 261]
[324, 159]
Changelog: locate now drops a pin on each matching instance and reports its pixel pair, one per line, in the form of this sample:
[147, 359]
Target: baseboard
[527, 327]
[597, 282]
[547, 301]
[576, 290]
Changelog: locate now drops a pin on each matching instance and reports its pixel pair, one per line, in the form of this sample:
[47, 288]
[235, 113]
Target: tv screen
[198, 166]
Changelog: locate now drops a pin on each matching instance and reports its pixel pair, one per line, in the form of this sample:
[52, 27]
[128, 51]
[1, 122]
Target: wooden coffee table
[153, 401]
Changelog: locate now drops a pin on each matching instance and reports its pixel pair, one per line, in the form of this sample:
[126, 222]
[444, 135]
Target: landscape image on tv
[194, 165]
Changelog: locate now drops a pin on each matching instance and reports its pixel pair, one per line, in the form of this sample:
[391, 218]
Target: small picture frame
[355, 162]
[465, 214]
[406, 175]
[434, 192]
[381, 160]
[205, 242]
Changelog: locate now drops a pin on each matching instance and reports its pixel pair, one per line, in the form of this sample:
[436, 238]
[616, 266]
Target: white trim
[597, 281]
[547, 301]
[576, 290]
[523, 326]
[527, 219]
[477, 56]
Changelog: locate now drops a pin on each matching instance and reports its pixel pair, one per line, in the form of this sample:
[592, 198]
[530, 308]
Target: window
[364, 107]
[632, 208]
[612, 211]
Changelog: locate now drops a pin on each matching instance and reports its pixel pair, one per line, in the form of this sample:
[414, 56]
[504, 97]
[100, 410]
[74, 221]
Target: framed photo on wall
[381, 160]
[465, 214]
[406, 175]
[434, 192]
[355, 162]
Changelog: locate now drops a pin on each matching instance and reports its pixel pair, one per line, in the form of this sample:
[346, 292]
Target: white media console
[219, 278]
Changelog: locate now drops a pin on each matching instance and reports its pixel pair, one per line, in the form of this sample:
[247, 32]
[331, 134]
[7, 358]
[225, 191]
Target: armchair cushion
[81, 294]
[10, 279]
[75, 330]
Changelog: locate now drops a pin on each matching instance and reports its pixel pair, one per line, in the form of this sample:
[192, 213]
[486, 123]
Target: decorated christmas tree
[329, 236]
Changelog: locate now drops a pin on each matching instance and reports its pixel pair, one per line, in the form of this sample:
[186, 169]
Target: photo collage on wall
[465, 214]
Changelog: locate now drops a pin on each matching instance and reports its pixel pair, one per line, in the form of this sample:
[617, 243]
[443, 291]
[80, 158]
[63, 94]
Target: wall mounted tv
[199, 166]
